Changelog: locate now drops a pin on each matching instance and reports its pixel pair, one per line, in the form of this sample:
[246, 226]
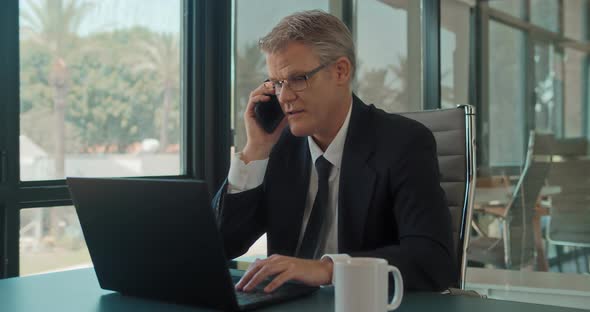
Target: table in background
[499, 196]
[78, 291]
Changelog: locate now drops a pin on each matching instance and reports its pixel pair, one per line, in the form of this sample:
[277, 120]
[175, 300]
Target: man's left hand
[283, 268]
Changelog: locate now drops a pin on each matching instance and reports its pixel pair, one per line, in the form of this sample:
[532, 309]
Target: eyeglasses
[295, 83]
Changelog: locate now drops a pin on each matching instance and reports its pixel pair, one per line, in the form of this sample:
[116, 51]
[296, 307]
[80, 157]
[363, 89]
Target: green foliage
[385, 87]
[250, 73]
[109, 102]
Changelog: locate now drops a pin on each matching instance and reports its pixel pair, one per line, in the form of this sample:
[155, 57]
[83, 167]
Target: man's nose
[287, 96]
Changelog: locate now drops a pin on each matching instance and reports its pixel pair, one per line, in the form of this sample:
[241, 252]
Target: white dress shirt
[243, 177]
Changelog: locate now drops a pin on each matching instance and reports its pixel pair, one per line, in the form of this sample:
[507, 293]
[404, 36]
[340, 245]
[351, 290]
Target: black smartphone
[269, 114]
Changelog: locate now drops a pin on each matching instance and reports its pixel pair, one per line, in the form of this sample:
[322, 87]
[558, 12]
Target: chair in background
[569, 225]
[520, 237]
[571, 148]
[454, 132]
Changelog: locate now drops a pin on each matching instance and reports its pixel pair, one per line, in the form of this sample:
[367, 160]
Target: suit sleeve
[425, 254]
[240, 218]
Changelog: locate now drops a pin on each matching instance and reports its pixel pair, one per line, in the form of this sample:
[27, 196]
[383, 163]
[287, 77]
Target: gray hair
[327, 35]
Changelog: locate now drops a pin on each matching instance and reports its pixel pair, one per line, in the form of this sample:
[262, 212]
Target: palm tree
[161, 55]
[54, 25]
[373, 88]
[400, 72]
[386, 87]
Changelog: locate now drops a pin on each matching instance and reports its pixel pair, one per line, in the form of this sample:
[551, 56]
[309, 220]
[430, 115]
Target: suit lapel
[357, 178]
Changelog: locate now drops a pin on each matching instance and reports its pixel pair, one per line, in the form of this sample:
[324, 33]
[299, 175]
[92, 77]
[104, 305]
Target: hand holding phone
[262, 117]
[269, 114]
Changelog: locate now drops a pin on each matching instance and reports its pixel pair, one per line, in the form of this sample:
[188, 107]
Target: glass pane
[512, 7]
[454, 53]
[545, 13]
[575, 18]
[51, 240]
[506, 83]
[573, 93]
[547, 89]
[388, 54]
[100, 88]
[253, 19]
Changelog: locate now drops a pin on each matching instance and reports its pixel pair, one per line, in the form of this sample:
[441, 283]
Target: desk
[78, 291]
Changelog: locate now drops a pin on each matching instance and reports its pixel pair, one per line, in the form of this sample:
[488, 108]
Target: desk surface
[78, 290]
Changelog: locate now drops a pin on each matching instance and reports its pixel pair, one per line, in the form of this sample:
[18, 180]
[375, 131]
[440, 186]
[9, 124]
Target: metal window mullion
[585, 98]
[9, 88]
[431, 53]
[348, 13]
[212, 91]
[528, 62]
[482, 96]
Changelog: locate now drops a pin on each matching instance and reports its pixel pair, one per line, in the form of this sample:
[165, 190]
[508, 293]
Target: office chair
[454, 133]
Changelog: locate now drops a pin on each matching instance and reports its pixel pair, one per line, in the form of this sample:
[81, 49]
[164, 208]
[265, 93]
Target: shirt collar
[333, 153]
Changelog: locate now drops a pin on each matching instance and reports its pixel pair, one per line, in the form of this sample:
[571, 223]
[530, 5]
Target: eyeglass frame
[306, 76]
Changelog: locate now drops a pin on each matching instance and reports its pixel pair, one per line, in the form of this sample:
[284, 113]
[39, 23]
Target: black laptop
[158, 239]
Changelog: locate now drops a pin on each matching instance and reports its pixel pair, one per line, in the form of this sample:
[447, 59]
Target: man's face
[308, 111]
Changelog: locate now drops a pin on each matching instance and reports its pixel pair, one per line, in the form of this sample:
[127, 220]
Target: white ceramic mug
[361, 284]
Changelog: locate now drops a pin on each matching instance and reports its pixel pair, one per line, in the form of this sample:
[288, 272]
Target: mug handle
[399, 288]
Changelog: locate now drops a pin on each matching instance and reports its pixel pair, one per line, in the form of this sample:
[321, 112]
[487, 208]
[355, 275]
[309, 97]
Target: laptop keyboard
[258, 294]
[255, 295]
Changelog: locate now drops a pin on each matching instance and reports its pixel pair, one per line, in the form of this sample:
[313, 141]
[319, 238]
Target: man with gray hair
[337, 178]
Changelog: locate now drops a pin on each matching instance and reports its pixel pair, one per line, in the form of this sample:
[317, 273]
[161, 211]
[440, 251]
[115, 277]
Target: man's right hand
[259, 142]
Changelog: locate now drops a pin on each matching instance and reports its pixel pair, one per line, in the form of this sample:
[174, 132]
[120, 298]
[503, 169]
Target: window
[100, 88]
[96, 89]
[545, 13]
[533, 79]
[51, 239]
[547, 88]
[512, 7]
[506, 83]
[455, 34]
[573, 93]
[575, 19]
[387, 35]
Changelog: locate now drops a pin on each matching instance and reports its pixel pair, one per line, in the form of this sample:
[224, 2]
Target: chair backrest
[571, 147]
[454, 132]
[570, 209]
[519, 240]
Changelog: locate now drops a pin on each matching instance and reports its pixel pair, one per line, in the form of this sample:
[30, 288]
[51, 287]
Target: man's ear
[343, 68]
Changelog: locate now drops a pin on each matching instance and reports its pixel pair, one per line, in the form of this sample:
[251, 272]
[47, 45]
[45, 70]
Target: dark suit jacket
[390, 202]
